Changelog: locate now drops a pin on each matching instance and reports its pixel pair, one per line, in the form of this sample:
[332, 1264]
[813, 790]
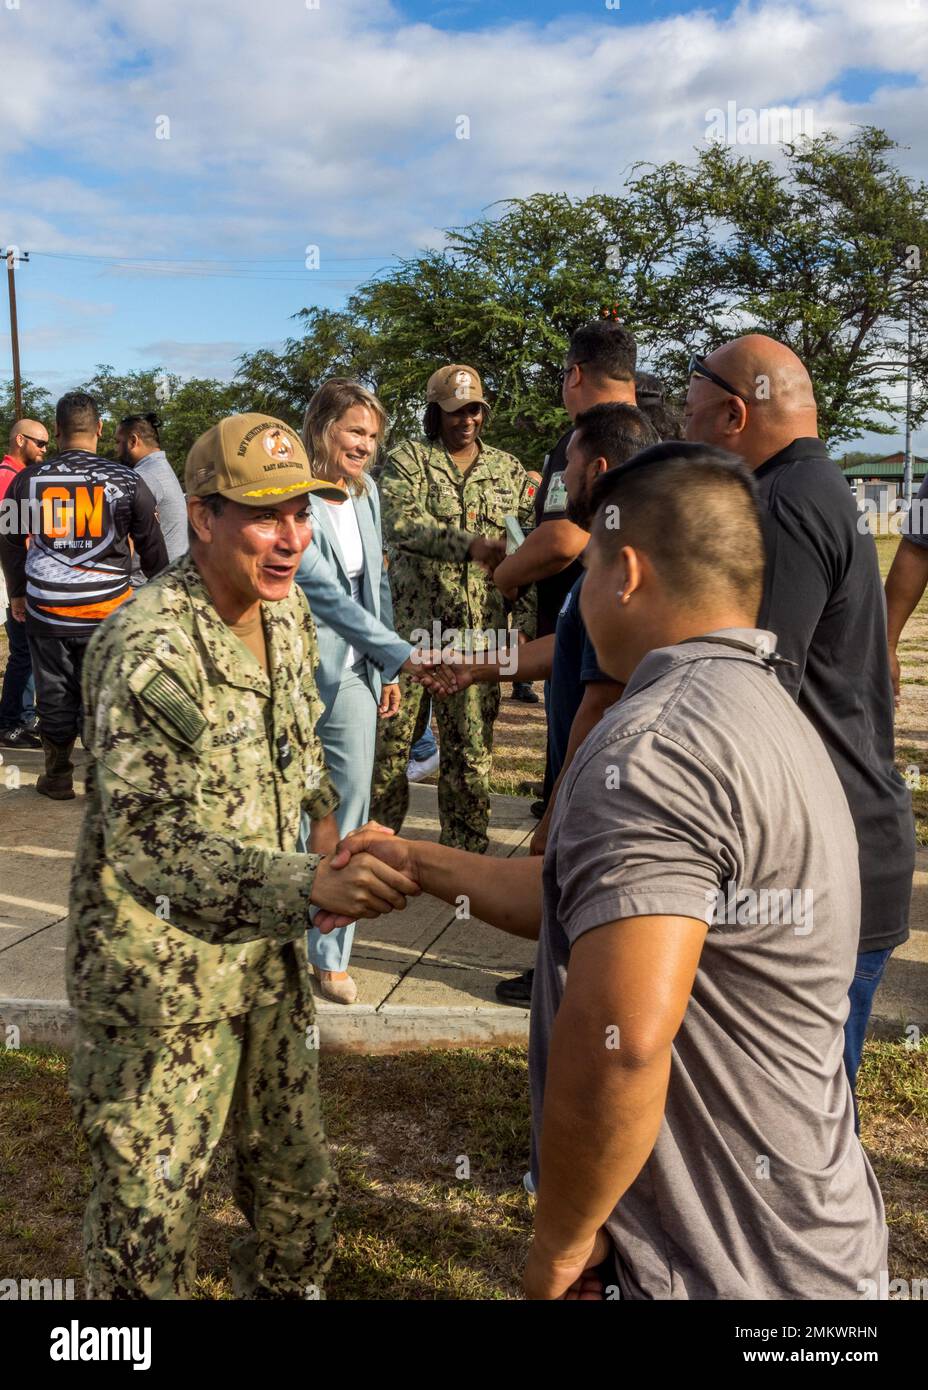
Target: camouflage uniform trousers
[465, 731]
[153, 1103]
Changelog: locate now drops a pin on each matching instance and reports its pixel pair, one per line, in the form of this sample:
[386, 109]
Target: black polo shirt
[824, 599]
[551, 505]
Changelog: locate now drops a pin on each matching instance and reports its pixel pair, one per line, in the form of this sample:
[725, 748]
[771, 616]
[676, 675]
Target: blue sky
[291, 125]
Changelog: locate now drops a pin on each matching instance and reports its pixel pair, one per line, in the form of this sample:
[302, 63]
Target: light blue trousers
[348, 730]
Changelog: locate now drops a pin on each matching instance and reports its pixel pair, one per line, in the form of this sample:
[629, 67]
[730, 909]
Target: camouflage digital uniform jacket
[188, 902]
[431, 513]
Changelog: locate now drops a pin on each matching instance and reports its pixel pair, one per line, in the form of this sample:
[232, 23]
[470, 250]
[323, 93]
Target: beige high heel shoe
[336, 985]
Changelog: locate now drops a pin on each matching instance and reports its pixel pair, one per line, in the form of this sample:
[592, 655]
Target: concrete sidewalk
[424, 977]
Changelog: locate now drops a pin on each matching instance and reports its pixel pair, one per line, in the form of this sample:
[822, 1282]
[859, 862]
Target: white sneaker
[528, 1184]
[419, 768]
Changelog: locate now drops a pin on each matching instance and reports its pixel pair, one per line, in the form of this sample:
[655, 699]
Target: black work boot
[57, 781]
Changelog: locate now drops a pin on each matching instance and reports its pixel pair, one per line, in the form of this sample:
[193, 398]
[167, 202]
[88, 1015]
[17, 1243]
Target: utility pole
[907, 466]
[13, 255]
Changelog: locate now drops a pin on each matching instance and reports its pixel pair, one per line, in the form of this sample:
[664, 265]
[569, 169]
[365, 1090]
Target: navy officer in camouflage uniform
[189, 905]
[444, 500]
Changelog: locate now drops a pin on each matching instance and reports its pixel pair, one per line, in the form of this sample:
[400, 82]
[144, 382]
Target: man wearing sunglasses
[28, 444]
[823, 598]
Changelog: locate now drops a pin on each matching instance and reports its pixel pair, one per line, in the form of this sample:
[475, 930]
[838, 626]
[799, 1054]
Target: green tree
[194, 407]
[503, 295]
[334, 343]
[858, 458]
[826, 258]
[37, 405]
[186, 408]
[822, 250]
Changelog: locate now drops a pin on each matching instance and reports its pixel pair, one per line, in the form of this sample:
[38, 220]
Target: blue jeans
[425, 746]
[348, 732]
[17, 702]
[867, 976]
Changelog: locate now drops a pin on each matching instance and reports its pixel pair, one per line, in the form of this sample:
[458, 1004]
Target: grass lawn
[408, 1228]
[518, 746]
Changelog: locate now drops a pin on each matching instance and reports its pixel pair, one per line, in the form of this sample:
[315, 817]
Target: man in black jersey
[65, 539]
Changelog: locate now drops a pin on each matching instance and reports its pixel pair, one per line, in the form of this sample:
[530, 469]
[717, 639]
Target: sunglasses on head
[697, 367]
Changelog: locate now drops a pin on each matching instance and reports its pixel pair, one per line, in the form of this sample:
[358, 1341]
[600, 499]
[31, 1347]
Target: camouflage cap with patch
[453, 387]
[255, 460]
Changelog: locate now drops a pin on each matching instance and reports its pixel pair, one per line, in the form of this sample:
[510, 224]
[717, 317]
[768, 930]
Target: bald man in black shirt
[824, 600]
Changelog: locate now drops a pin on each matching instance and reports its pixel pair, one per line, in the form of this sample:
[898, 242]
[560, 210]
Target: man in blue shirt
[580, 693]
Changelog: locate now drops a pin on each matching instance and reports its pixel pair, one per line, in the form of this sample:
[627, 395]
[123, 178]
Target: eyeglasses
[39, 443]
[565, 372]
[697, 367]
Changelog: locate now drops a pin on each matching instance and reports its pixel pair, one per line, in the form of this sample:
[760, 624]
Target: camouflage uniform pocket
[445, 507]
[111, 1064]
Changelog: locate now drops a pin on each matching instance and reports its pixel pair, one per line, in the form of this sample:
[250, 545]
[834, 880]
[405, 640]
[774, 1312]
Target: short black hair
[608, 349]
[76, 413]
[614, 431]
[147, 427]
[694, 511]
[666, 417]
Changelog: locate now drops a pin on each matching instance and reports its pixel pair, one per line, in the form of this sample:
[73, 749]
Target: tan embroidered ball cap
[255, 460]
[453, 387]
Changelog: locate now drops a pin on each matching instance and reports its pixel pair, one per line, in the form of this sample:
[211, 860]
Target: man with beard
[138, 446]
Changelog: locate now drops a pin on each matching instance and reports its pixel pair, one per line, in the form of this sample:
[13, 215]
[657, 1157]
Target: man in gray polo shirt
[138, 446]
[700, 901]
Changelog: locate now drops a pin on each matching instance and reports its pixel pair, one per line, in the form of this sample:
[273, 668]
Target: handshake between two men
[374, 871]
[456, 660]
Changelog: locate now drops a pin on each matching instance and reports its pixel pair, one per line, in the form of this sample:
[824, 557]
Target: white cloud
[338, 124]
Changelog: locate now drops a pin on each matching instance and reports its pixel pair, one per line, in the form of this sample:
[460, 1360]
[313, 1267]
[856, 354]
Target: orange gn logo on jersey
[72, 512]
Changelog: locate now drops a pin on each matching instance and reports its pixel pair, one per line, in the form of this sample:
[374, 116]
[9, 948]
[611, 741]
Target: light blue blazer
[340, 622]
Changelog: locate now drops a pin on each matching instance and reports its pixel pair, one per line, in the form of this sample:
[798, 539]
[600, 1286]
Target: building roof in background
[889, 467]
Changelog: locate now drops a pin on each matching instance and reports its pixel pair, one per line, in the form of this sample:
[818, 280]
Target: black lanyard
[771, 659]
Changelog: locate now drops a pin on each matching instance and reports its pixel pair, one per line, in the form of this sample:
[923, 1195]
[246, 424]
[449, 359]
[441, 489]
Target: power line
[205, 269]
[206, 260]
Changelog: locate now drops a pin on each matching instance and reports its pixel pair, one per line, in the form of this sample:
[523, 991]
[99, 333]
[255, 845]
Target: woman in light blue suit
[344, 578]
